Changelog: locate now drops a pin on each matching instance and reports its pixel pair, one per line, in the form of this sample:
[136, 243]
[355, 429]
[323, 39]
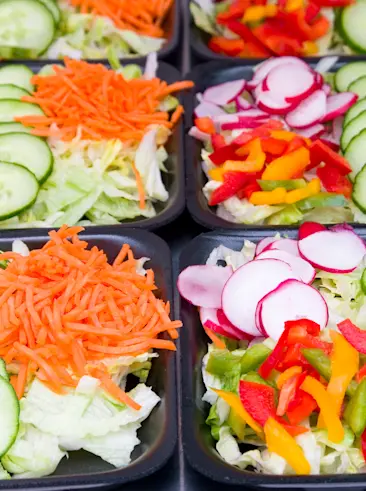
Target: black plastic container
[174, 179]
[198, 443]
[158, 433]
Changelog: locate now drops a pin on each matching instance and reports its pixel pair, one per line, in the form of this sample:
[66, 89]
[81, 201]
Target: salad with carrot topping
[84, 143]
[89, 29]
[285, 370]
[73, 328]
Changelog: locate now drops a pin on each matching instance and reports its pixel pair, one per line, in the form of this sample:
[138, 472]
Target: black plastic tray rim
[155, 458]
[207, 461]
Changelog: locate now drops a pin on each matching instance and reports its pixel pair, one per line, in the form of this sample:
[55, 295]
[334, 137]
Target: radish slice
[208, 109]
[263, 244]
[290, 82]
[300, 267]
[258, 321]
[263, 69]
[247, 286]
[223, 94]
[229, 327]
[319, 80]
[338, 104]
[312, 132]
[210, 320]
[337, 129]
[335, 252]
[329, 140]
[310, 228]
[243, 124]
[242, 103]
[203, 285]
[272, 106]
[308, 112]
[252, 113]
[288, 245]
[291, 300]
[327, 89]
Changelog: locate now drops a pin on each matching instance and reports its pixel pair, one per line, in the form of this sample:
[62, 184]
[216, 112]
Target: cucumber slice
[359, 189]
[354, 111]
[26, 24]
[3, 372]
[30, 151]
[14, 128]
[52, 6]
[353, 129]
[19, 75]
[356, 153]
[18, 190]
[348, 73]
[10, 108]
[9, 416]
[9, 91]
[352, 26]
[359, 87]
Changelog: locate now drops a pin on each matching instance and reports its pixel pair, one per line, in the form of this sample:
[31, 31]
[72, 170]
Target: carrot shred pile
[142, 16]
[99, 102]
[64, 308]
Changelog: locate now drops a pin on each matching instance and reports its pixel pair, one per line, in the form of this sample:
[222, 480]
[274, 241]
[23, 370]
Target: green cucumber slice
[359, 189]
[52, 6]
[3, 371]
[14, 128]
[349, 73]
[354, 111]
[19, 75]
[356, 153]
[359, 87]
[352, 26]
[352, 129]
[10, 109]
[9, 416]
[10, 91]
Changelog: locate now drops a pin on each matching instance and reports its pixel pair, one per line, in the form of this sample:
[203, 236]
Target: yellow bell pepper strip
[309, 48]
[293, 5]
[288, 166]
[312, 188]
[217, 174]
[283, 444]
[257, 13]
[326, 405]
[287, 374]
[253, 163]
[275, 197]
[252, 149]
[283, 135]
[236, 405]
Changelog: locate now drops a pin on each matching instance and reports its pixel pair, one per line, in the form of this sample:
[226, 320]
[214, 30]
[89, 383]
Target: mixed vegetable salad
[265, 28]
[73, 330]
[285, 372]
[78, 29]
[271, 144]
[83, 143]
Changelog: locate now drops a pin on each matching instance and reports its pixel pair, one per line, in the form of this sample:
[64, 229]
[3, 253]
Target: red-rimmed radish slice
[333, 251]
[207, 109]
[338, 104]
[263, 69]
[247, 286]
[337, 129]
[291, 300]
[252, 113]
[242, 104]
[198, 134]
[310, 228]
[327, 89]
[312, 132]
[267, 103]
[243, 123]
[229, 327]
[308, 112]
[225, 93]
[330, 141]
[202, 285]
[288, 245]
[258, 321]
[263, 244]
[319, 80]
[210, 320]
[291, 83]
[299, 266]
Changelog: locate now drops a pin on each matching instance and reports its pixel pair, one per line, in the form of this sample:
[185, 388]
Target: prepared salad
[74, 328]
[86, 29]
[265, 28]
[287, 145]
[82, 142]
[285, 370]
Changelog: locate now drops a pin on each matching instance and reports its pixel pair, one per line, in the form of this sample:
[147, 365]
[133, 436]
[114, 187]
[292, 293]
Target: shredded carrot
[64, 308]
[100, 103]
[219, 343]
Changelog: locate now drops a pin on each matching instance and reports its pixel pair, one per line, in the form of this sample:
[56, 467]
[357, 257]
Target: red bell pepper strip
[319, 28]
[248, 190]
[319, 152]
[206, 125]
[299, 335]
[222, 154]
[235, 11]
[354, 335]
[258, 400]
[245, 33]
[274, 357]
[217, 141]
[233, 182]
[334, 3]
[300, 408]
[288, 392]
[333, 181]
[274, 146]
[308, 325]
[295, 144]
[293, 430]
[311, 11]
[293, 357]
[363, 445]
[361, 374]
[229, 47]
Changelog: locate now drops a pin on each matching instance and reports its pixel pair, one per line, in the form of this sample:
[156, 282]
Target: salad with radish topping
[287, 145]
[285, 369]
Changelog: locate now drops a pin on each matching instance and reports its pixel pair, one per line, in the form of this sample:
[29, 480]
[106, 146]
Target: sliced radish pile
[263, 244]
[291, 300]
[216, 321]
[242, 103]
[299, 266]
[247, 286]
[312, 131]
[337, 105]
[281, 82]
[264, 68]
[308, 112]
[267, 103]
[203, 285]
[337, 251]
[229, 327]
[207, 109]
[288, 245]
[224, 93]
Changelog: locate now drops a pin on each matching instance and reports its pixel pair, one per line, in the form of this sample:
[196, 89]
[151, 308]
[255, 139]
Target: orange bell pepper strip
[217, 174]
[326, 405]
[293, 5]
[206, 125]
[288, 166]
[256, 13]
[283, 135]
[283, 444]
[287, 374]
[275, 197]
[312, 188]
[236, 405]
[253, 163]
[309, 48]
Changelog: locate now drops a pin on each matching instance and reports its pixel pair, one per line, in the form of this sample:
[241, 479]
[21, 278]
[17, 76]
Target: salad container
[197, 440]
[174, 177]
[158, 432]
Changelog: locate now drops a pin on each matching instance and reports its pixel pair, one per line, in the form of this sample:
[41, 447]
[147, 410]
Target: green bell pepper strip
[221, 363]
[254, 357]
[256, 378]
[357, 416]
[289, 184]
[320, 200]
[237, 425]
